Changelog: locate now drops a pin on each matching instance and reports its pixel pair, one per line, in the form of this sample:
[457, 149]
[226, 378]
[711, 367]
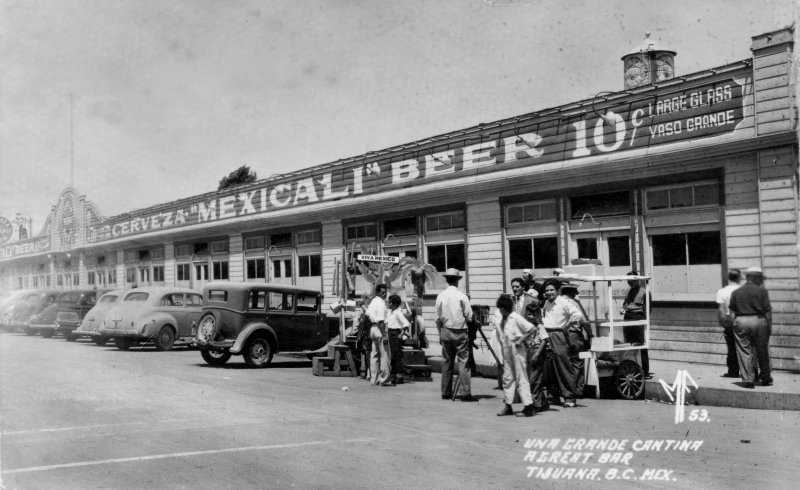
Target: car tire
[29, 331]
[46, 333]
[69, 336]
[123, 343]
[257, 352]
[165, 338]
[215, 357]
[100, 340]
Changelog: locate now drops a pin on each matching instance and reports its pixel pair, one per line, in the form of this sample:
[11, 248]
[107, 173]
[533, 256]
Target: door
[613, 250]
[200, 275]
[281, 270]
[307, 324]
[192, 304]
[280, 316]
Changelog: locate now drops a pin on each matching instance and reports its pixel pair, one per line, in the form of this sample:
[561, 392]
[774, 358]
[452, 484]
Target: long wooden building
[678, 177]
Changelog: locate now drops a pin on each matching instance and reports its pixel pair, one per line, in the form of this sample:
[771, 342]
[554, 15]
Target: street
[77, 416]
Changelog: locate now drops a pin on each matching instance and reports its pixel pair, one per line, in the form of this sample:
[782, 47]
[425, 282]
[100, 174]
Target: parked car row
[229, 318]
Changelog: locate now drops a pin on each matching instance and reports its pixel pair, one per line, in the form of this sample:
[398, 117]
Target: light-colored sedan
[90, 326]
[158, 314]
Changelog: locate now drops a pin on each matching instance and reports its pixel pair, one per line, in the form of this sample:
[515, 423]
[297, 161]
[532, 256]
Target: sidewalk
[713, 390]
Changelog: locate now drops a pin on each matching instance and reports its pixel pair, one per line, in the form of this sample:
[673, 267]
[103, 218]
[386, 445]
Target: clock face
[635, 72]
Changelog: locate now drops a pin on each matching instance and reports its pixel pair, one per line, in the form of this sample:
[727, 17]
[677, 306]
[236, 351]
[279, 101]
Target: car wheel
[215, 357]
[165, 338]
[100, 340]
[29, 331]
[69, 336]
[629, 380]
[47, 333]
[123, 343]
[257, 352]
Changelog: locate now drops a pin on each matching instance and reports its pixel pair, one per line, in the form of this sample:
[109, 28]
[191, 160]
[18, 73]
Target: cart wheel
[629, 380]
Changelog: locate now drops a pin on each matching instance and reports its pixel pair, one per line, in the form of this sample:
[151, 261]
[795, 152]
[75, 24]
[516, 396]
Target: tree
[240, 176]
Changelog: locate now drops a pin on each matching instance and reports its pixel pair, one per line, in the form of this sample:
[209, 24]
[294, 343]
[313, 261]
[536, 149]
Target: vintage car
[159, 314]
[7, 306]
[33, 303]
[93, 320]
[64, 315]
[258, 320]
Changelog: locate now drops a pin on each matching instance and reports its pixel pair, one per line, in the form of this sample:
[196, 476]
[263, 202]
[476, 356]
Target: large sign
[684, 113]
[28, 247]
[6, 230]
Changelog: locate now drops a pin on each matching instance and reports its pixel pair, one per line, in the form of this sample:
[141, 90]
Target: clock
[636, 72]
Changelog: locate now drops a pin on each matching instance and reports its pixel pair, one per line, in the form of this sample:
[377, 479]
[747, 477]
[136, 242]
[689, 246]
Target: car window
[175, 299]
[68, 297]
[280, 301]
[256, 300]
[136, 296]
[194, 300]
[217, 295]
[108, 298]
[91, 299]
[306, 302]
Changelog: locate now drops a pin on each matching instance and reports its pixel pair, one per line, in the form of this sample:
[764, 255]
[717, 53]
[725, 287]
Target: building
[680, 179]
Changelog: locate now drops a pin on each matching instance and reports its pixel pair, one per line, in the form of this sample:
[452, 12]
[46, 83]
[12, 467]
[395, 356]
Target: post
[342, 278]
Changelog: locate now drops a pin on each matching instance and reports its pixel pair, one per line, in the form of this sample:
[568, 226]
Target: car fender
[155, 321]
[249, 330]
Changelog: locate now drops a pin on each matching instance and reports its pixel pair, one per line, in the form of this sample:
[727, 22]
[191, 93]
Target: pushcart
[610, 361]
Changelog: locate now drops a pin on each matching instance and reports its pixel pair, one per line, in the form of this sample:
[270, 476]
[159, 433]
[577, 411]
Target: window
[90, 279]
[194, 300]
[532, 211]
[256, 268]
[686, 266]
[619, 251]
[280, 301]
[281, 239]
[220, 269]
[287, 268]
[219, 246]
[144, 255]
[131, 255]
[441, 222]
[112, 277]
[108, 298]
[309, 265]
[158, 273]
[130, 275]
[136, 296]
[447, 256]
[183, 272]
[306, 303]
[355, 232]
[400, 226]
[217, 296]
[183, 250]
[587, 248]
[157, 253]
[595, 205]
[533, 253]
[200, 248]
[683, 196]
[308, 237]
[101, 260]
[144, 275]
[257, 300]
[254, 243]
[172, 300]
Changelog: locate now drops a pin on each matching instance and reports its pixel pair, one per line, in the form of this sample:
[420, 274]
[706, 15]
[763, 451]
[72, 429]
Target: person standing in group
[579, 335]
[396, 322]
[752, 327]
[635, 308]
[511, 333]
[726, 321]
[558, 315]
[532, 287]
[453, 311]
[379, 357]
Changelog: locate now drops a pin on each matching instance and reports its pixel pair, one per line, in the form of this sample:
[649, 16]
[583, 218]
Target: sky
[139, 102]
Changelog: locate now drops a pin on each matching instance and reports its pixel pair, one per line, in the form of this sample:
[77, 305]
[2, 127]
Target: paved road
[78, 416]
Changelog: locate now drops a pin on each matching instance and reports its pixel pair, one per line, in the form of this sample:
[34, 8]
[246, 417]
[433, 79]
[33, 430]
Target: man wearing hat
[752, 326]
[634, 308]
[453, 311]
[532, 288]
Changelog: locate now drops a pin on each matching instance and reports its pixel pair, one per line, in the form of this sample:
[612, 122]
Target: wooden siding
[236, 257]
[773, 96]
[484, 252]
[332, 246]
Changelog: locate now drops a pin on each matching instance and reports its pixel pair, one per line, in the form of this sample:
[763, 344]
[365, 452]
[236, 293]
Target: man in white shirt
[453, 311]
[558, 314]
[726, 320]
[379, 358]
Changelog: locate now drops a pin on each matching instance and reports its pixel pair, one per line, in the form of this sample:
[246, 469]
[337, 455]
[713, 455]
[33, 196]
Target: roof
[648, 45]
[241, 286]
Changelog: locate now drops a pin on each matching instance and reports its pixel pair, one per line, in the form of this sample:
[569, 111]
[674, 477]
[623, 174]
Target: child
[396, 322]
[511, 333]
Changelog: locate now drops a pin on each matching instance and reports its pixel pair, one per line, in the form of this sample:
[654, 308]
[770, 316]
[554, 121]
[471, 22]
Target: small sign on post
[379, 258]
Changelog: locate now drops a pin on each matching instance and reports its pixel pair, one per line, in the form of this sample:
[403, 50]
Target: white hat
[557, 272]
[754, 271]
[528, 271]
[452, 272]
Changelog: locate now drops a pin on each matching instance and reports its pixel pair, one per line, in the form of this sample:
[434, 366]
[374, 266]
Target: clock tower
[648, 64]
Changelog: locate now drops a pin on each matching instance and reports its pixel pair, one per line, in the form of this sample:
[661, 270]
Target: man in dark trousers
[635, 308]
[453, 311]
[752, 326]
[726, 321]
